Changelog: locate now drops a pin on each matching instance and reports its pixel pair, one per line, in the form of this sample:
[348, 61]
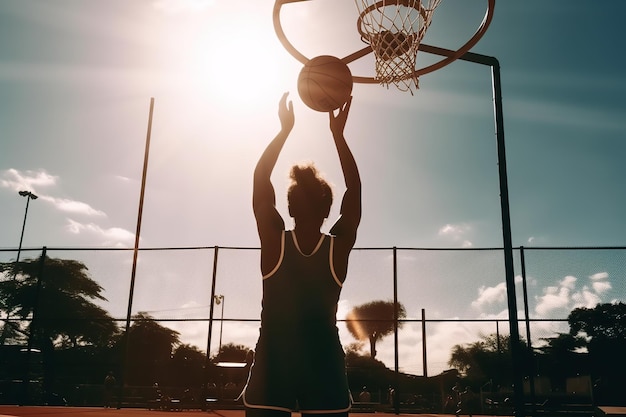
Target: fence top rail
[216, 247]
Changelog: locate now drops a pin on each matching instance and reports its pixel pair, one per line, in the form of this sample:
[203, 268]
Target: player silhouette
[299, 363]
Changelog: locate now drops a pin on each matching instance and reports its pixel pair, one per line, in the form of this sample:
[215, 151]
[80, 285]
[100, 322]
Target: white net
[394, 30]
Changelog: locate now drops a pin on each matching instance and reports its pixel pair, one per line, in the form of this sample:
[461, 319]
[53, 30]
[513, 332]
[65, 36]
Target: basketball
[325, 83]
[390, 45]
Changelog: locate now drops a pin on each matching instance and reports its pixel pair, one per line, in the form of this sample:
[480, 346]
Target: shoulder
[272, 249]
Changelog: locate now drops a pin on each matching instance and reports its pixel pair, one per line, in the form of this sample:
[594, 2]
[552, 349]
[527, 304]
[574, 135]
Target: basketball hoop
[393, 31]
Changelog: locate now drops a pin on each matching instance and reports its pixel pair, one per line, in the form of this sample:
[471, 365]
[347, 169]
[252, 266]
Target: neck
[306, 229]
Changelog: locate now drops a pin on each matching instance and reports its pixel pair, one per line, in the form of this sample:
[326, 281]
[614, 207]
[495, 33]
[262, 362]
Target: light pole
[29, 196]
[219, 299]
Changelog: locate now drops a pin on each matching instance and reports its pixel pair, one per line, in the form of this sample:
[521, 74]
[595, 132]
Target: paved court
[7, 410]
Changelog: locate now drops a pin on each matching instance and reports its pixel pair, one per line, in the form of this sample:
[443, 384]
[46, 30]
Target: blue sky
[76, 78]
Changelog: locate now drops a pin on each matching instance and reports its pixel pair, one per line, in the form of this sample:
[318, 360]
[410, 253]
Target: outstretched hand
[286, 114]
[338, 122]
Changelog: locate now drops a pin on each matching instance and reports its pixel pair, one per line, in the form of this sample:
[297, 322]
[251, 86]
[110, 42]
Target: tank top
[300, 294]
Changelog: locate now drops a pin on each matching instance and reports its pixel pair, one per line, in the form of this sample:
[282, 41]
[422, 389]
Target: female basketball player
[299, 363]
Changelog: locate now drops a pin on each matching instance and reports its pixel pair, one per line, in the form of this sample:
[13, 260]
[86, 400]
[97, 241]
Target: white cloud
[457, 233]
[554, 298]
[585, 298]
[73, 206]
[601, 287]
[28, 180]
[566, 297]
[599, 275]
[568, 282]
[31, 180]
[490, 296]
[114, 236]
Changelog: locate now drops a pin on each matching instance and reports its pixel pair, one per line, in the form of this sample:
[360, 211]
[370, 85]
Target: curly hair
[308, 194]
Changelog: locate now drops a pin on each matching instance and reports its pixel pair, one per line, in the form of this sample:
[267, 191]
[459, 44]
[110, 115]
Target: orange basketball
[325, 83]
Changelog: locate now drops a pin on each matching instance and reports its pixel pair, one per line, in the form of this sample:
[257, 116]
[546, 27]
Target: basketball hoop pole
[516, 350]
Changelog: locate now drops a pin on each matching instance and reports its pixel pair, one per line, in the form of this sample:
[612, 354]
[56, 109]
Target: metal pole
[25, 397]
[28, 196]
[207, 361]
[517, 355]
[219, 349]
[6, 329]
[136, 247]
[396, 401]
[424, 342]
[516, 351]
[211, 307]
[531, 364]
[139, 216]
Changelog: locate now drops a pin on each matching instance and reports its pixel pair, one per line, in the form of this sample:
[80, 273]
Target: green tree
[187, 366]
[55, 299]
[560, 357]
[148, 351]
[231, 352]
[373, 321]
[603, 323]
[363, 370]
[60, 295]
[604, 328]
[220, 370]
[488, 358]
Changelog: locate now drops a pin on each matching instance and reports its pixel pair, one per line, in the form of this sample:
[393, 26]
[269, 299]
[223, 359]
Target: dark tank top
[300, 295]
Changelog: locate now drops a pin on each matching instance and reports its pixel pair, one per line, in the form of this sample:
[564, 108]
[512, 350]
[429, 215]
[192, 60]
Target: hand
[338, 122]
[286, 114]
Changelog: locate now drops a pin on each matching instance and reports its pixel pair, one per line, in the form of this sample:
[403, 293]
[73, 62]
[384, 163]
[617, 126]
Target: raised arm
[269, 222]
[350, 213]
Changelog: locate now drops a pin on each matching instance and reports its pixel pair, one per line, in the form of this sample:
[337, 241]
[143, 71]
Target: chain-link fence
[185, 320]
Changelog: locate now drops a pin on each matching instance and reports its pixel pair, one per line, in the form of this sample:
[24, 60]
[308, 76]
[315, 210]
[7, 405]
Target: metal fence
[451, 296]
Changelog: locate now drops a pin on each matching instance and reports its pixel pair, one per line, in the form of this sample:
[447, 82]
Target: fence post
[32, 334]
[424, 342]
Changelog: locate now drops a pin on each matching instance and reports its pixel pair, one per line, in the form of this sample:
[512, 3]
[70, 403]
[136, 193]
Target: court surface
[8, 410]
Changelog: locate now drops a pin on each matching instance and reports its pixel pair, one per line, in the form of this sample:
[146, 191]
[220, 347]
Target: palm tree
[374, 320]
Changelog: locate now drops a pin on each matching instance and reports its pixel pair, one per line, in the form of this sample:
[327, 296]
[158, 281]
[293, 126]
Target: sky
[77, 77]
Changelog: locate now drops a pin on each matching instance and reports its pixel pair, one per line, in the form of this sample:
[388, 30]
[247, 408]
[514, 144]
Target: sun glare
[240, 66]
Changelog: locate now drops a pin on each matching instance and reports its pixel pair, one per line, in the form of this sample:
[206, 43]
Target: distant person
[299, 363]
[391, 392]
[109, 390]
[466, 401]
[365, 396]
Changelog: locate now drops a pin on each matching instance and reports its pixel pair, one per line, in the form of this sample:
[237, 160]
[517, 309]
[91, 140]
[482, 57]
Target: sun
[241, 66]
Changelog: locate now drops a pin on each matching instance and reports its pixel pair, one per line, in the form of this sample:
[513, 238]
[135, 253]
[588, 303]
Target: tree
[562, 344]
[60, 295]
[604, 328]
[603, 323]
[373, 321]
[55, 299]
[489, 358]
[231, 352]
[187, 366]
[148, 350]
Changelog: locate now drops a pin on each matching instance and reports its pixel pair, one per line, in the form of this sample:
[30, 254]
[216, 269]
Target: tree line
[49, 305]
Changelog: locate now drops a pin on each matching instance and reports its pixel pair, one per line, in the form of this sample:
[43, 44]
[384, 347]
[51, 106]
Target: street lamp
[29, 196]
[219, 299]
